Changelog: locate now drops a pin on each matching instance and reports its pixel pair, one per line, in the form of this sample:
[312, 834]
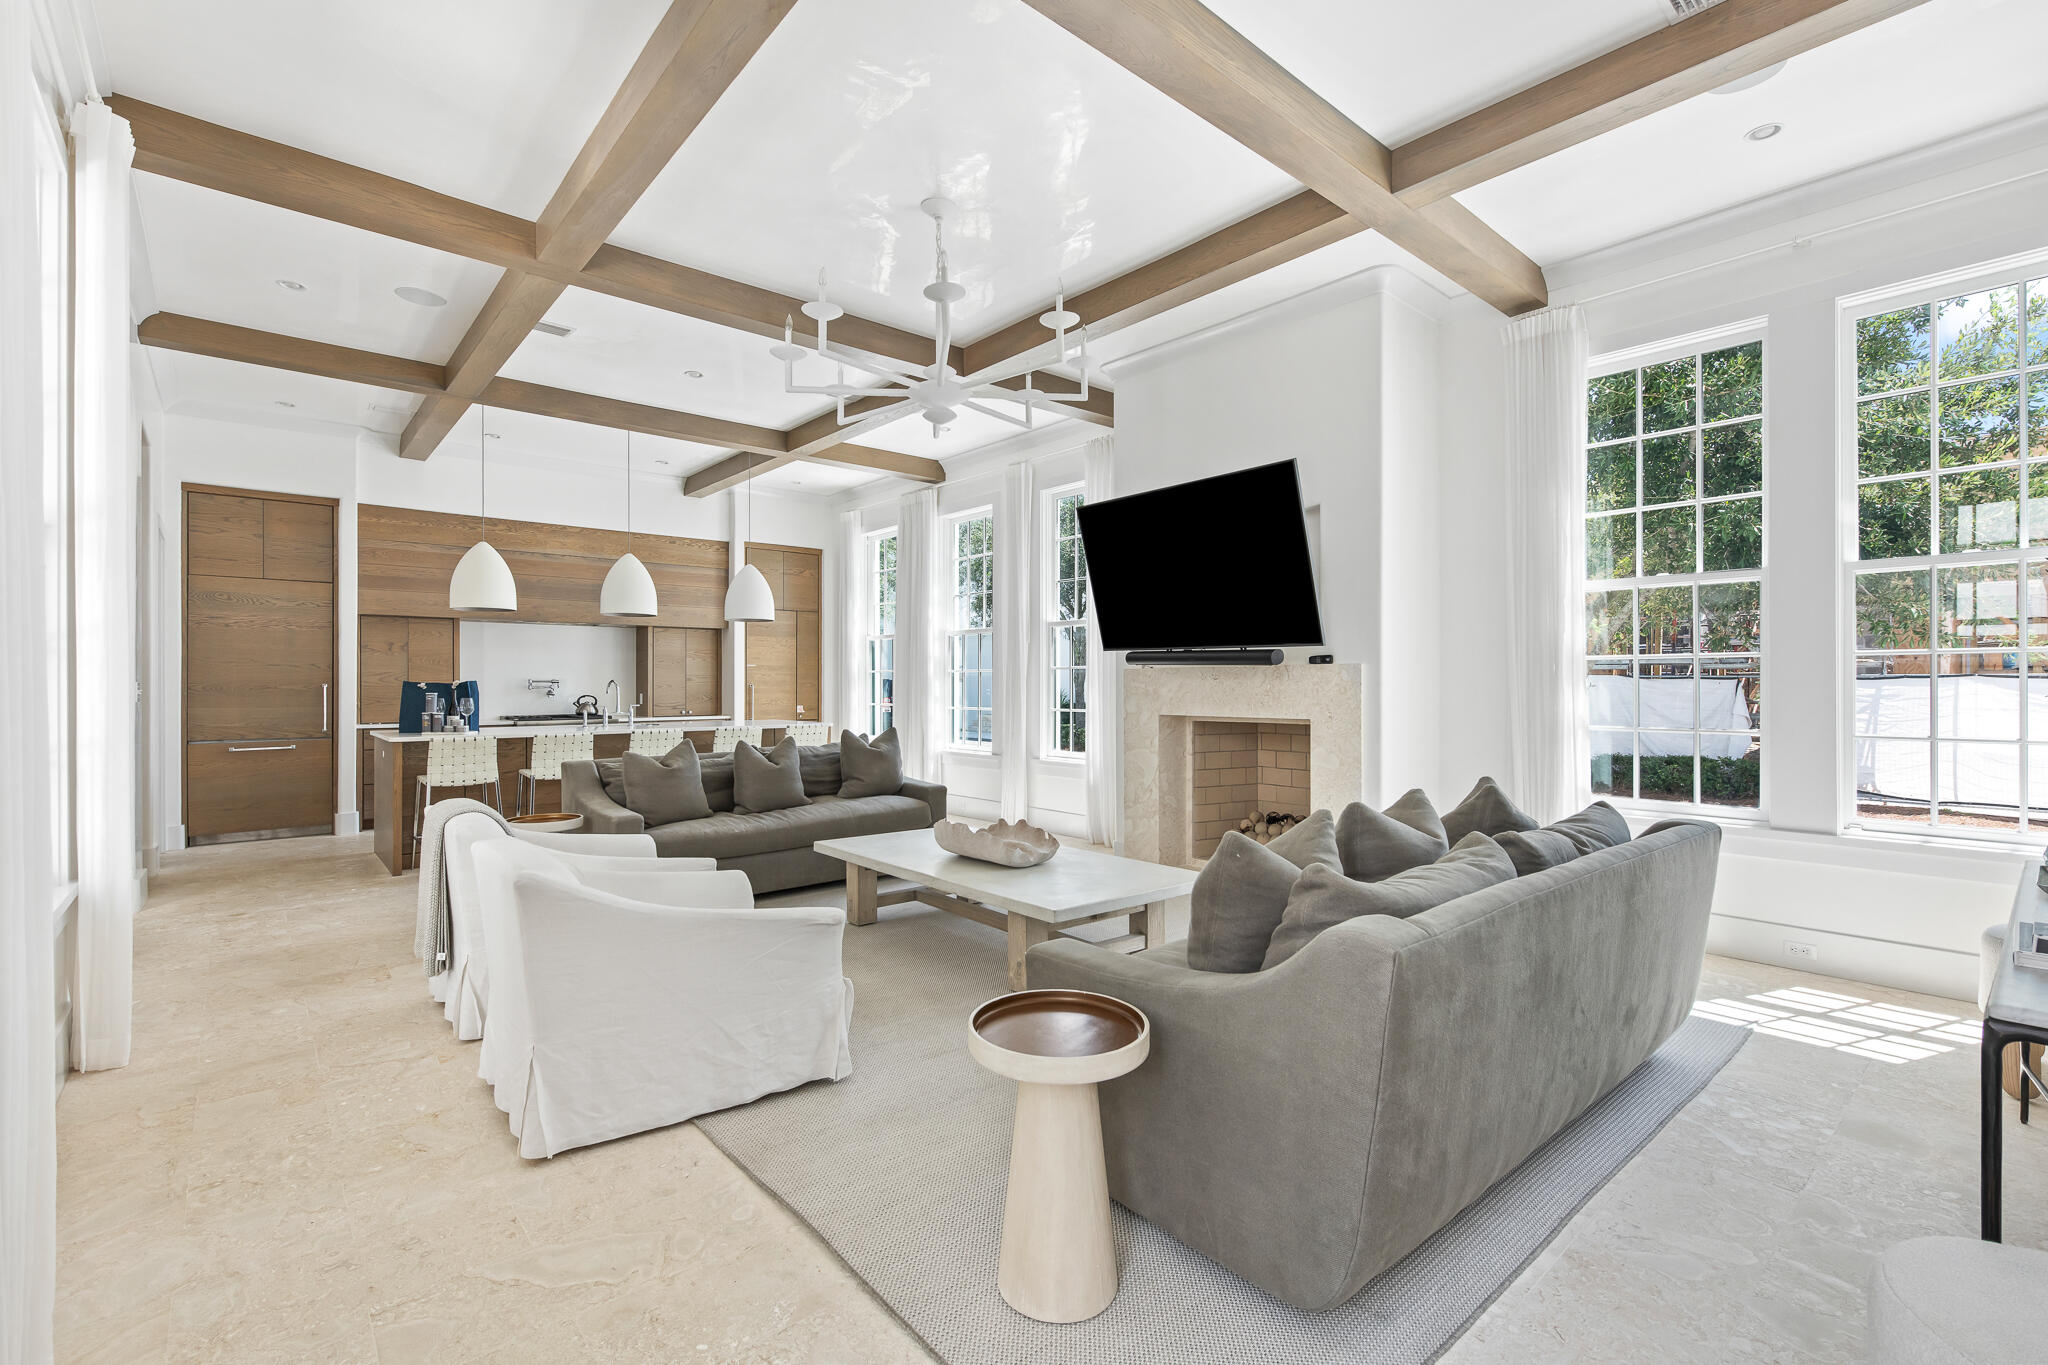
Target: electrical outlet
[1794, 948]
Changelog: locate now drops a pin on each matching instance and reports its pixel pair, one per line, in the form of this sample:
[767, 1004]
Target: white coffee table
[1075, 886]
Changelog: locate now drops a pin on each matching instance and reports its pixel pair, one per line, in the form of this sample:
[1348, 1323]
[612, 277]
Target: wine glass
[465, 706]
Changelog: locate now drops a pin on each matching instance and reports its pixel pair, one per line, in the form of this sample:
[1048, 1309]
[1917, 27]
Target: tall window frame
[1944, 476]
[1066, 626]
[970, 630]
[879, 689]
[1674, 519]
[52, 156]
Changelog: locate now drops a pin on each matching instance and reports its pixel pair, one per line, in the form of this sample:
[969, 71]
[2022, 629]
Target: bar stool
[455, 761]
[727, 737]
[550, 752]
[657, 741]
[810, 732]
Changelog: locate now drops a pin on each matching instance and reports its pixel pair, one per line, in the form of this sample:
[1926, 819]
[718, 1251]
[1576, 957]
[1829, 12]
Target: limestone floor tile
[301, 1165]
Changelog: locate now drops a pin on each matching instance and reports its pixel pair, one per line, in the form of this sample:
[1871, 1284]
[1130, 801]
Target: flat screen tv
[1219, 563]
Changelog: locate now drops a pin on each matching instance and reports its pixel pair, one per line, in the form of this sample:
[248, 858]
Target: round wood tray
[558, 821]
[1059, 1037]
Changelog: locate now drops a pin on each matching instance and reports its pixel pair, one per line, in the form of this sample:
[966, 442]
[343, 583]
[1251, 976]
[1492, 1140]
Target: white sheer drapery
[1546, 481]
[28, 1044]
[107, 460]
[1016, 626]
[1104, 681]
[920, 662]
[852, 692]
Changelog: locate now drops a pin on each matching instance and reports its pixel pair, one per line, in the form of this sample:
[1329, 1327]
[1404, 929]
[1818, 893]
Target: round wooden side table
[550, 822]
[1059, 1257]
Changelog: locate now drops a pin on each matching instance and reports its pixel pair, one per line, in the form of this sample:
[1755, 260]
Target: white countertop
[620, 728]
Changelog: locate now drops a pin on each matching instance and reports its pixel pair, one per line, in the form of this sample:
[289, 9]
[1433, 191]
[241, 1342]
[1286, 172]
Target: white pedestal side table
[1059, 1257]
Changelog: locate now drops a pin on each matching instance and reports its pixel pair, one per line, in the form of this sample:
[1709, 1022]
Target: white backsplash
[499, 656]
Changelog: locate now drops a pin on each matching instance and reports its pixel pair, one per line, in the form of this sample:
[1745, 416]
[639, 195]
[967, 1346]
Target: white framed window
[880, 692]
[1066, 628]
[53, 230]
[970, 638]
[1946, 407]
[1674, 534]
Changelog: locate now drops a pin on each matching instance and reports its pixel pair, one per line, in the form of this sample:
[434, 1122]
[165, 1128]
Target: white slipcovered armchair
[467, 989]
[626, 997]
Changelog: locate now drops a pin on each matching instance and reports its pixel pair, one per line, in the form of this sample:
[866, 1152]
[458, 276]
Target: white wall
[1892, 908]
[355, 466]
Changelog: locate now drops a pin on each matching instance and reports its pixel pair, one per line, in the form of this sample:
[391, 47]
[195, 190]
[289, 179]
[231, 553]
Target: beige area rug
[901, 1169]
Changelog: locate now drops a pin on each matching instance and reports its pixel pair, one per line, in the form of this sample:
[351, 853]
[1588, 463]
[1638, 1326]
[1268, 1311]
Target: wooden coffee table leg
[1024, 932]
[1152, 924]
[860, 894]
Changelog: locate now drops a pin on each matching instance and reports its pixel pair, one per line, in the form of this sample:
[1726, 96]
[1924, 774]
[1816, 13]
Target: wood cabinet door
[430, 652]
[703, 669]
[808, 661]
[669, 681]
[771, 667]
[769, 562]
[223, 536]
[799, 581]
[298, 541]
[243, 786]
[381, 644]
[259, 658]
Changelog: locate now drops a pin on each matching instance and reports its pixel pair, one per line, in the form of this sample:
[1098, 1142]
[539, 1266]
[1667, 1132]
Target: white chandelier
[936, 391]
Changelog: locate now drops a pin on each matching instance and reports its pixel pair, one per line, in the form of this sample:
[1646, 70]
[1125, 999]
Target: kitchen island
[399, 761]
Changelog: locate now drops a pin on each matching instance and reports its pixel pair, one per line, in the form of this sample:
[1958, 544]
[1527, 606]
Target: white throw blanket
[433, 933]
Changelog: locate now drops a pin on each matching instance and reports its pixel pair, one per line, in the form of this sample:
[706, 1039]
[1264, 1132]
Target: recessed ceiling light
[283, 403]
[1763, 132]
[693, 374]
[425, 298]
[490, 436]
[553, 329]
[292, 285]
[1751, 81]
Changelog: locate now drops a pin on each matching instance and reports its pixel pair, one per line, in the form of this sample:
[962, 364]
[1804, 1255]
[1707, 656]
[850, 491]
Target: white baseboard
[348, 822]
[174, 836]
[1905, 966]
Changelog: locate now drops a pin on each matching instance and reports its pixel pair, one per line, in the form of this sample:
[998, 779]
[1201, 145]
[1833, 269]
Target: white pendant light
[628, 589]
[482, 581]
[747, 596]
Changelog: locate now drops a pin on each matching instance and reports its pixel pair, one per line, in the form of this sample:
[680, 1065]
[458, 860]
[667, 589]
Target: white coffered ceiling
[1066, 166]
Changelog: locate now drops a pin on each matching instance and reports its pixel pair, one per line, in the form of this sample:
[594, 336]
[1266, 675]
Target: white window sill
[1906, 851]
[1065, 760]
[62, 905]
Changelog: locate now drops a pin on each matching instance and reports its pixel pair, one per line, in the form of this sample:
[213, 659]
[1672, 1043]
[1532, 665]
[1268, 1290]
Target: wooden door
[800, 573]
[809, 705]
[703, 666]
[260, 707]
[771, 668]
[769, 562]
[669, 682]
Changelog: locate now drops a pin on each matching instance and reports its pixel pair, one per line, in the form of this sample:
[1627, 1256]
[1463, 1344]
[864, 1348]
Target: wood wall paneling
[381, 653]
[223, 536]
[704, 672]
[406, 557]
[298, 542]
[771, 667]
[677, 670]
[785, 658]
[257, 653]
[809, 690]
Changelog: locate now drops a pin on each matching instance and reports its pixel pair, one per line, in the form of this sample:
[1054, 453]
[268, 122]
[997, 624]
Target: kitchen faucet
[611, 690]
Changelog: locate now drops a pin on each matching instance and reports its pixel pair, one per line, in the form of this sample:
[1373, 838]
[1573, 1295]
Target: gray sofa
[1308, 1126]
[772, 847]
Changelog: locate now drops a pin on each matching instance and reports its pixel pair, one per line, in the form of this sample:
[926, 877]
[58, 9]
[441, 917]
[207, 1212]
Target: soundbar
[1205, 656]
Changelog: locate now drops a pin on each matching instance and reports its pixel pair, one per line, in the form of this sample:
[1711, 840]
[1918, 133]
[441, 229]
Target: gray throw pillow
[1485, 810]
[1373, 845]
[1312, 840]
[1236, 903]
[611, 774]
[667, 789]
[1596, 827]
[770, 781]
[870, 767]
[717, 771]
[1322, 898]
[820, 765]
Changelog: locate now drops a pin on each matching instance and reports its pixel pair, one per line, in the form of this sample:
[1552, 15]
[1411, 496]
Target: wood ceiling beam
[695, 52]
[1182, 49]
[1294, 227]
[182, 148]
[1733, 39]
[737, 469]
[224, 341]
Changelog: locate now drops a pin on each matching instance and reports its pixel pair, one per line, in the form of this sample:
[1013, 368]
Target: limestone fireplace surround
[1161, 705]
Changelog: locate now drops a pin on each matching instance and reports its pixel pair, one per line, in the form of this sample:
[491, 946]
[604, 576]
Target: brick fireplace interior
[1241, 765]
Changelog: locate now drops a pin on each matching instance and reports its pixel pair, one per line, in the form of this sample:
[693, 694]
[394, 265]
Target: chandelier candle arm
[936, 391]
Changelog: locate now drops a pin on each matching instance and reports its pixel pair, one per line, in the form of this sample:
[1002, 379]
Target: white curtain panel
[920, 661]
[1546, 481]
[107, 461]
[852, 692]
[1104, 681]
[28, 1043]
[1015, 626]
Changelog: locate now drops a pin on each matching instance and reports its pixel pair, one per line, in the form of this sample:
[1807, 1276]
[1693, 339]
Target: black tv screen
[1219, 563]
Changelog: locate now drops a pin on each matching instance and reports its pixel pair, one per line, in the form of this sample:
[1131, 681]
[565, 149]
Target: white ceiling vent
[1686, 9]
[553, 329]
